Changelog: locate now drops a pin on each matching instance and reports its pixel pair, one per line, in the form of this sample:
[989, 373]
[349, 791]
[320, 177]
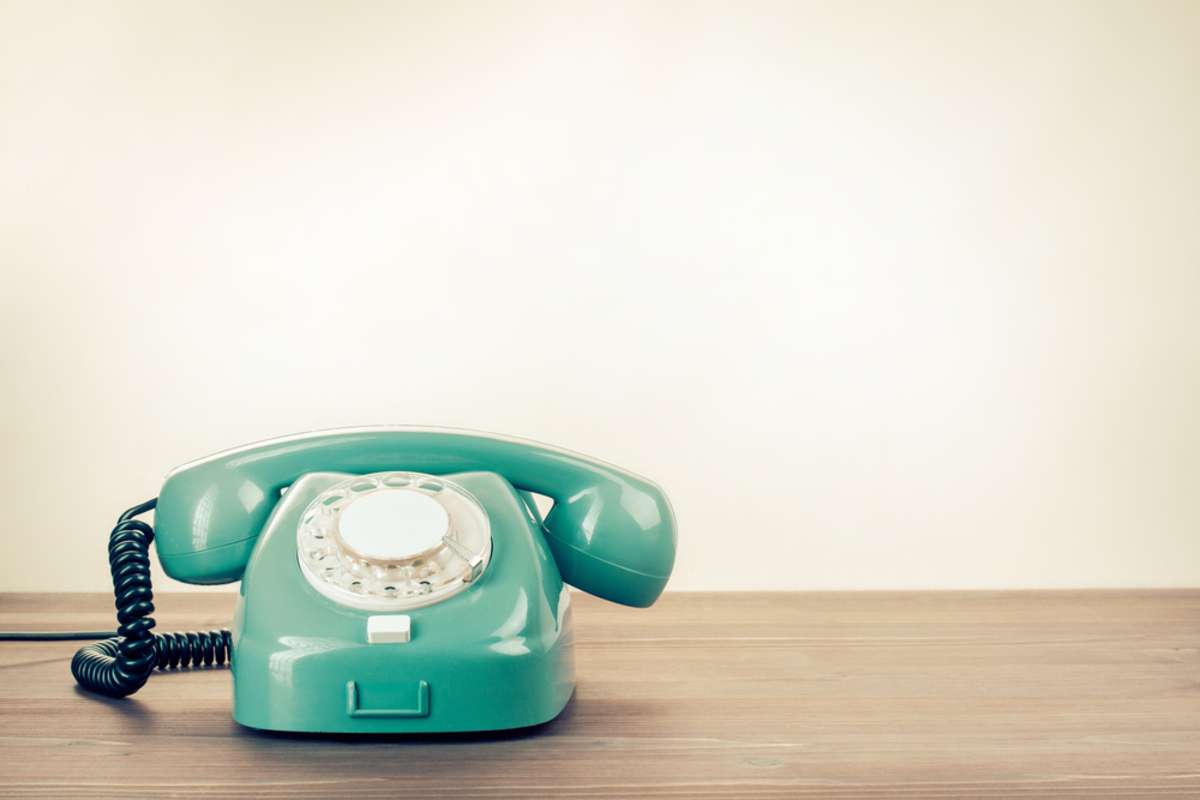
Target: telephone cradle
[393, 580]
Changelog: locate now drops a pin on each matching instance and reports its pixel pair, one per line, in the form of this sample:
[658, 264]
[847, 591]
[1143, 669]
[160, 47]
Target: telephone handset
[393, 579]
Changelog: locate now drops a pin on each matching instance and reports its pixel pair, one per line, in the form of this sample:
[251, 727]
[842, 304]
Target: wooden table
[865, 695]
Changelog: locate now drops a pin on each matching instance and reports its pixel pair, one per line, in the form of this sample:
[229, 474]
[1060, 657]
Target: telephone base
[495, 657]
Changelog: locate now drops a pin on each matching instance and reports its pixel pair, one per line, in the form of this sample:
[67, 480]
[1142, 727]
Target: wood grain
[770, 695]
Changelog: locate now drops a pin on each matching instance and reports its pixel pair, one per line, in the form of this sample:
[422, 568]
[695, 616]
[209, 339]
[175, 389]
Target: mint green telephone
[393, 579]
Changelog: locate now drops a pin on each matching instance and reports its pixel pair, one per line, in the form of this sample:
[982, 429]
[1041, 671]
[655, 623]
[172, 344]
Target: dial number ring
[368, 559]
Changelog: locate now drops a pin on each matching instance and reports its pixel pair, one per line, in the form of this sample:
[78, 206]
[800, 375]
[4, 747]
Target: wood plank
[762, 695]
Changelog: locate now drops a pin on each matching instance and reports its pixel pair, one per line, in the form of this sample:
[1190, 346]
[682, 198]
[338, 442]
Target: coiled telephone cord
[121, 665]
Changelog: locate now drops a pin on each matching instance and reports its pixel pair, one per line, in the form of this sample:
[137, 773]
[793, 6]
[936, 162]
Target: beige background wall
[895, 295]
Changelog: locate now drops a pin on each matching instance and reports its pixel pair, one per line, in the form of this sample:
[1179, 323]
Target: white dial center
[393, 525]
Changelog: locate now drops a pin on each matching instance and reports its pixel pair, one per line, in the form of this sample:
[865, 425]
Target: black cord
[120, 665]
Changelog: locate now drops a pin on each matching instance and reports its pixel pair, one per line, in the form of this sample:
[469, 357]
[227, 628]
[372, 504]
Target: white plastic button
[389, 629]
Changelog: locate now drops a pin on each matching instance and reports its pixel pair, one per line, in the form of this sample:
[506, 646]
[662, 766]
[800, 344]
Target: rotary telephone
[392, 579]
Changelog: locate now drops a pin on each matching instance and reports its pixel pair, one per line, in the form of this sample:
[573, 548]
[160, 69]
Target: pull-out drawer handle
[420, 710]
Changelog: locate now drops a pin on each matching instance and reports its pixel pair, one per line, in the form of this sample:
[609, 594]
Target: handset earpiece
[614, 539]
